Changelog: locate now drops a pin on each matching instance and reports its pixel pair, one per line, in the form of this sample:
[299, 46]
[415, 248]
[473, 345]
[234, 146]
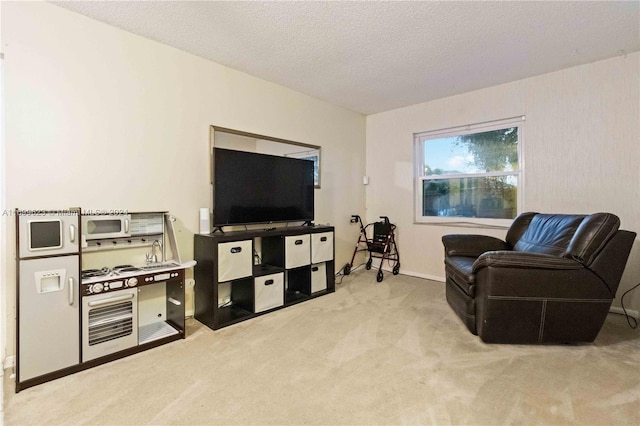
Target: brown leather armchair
[551, 281]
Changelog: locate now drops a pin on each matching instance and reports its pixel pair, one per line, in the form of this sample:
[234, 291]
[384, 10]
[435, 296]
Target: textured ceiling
[377, 56]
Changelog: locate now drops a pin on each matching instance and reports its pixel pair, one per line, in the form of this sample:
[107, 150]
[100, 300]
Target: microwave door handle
[126, 226]
[71, 285]
[72, 233]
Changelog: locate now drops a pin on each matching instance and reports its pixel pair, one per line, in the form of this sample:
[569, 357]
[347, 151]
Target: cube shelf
[242, 274]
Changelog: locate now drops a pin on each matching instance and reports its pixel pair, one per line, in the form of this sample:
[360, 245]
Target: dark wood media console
[242, 274]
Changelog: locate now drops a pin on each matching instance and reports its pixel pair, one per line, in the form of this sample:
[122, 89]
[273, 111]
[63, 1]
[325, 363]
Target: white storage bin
[235, 260]
[321, 247]
[269, 292]
[297, 251]
[318, 277]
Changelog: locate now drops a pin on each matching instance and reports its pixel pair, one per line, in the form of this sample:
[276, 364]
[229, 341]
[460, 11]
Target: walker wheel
[368, 265]
[379, 277]
[396, 269]
[347, 269]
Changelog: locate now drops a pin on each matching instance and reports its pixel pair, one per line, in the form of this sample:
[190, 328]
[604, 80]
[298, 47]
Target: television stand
[216, 229]
[243, 274]
[308, 223]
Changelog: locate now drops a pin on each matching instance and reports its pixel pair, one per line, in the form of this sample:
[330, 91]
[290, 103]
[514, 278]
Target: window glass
[494, 151]
[470, 172]
[484, 197]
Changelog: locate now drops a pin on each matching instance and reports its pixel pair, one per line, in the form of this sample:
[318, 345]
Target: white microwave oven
[106, 226]
[47, 233]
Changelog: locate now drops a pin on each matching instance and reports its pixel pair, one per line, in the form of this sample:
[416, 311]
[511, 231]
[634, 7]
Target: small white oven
[106, 226]
[109, 323]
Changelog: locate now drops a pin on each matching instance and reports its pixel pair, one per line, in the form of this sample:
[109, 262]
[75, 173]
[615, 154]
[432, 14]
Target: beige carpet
[372, 353]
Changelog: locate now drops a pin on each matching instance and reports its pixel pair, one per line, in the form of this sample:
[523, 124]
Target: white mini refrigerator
[48, 310]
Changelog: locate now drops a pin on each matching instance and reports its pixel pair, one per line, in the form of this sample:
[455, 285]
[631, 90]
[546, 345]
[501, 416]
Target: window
[469, 174]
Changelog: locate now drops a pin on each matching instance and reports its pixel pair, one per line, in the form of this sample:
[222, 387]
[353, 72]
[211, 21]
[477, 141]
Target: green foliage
[429, 171]
[493, 151]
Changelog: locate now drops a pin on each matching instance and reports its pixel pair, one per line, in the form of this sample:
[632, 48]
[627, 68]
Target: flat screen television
[259, 188]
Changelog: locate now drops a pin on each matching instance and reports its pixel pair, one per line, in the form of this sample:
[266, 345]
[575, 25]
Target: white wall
[3, 261]
[581, 153]
[99, 118]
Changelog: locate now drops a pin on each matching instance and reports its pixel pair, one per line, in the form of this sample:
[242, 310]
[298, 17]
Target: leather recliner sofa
[551, 281]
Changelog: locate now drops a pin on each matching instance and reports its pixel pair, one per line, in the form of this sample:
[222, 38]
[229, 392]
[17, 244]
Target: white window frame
[422, 137]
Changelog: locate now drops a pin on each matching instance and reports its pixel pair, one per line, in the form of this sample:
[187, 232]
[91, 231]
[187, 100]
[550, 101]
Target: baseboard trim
[388, 268]
[631, 312]
[9, 362]
[417, 274]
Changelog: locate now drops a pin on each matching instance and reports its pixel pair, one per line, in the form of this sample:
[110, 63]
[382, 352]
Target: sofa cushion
[519, 227]
[591, 236]
[549, 234]
[471, 245]
[460, 269]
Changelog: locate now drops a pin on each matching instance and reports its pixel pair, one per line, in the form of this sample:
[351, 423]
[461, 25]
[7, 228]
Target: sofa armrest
[524, 275]
[523, 260]
[471, 245]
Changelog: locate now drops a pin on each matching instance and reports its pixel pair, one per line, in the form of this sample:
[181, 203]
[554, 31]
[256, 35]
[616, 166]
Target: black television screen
[260, 188]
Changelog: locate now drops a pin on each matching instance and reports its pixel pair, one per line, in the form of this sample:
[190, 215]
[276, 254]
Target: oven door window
[110, 322]
[45, 235]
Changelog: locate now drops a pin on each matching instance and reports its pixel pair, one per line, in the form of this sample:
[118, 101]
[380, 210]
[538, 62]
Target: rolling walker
[382, 245]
